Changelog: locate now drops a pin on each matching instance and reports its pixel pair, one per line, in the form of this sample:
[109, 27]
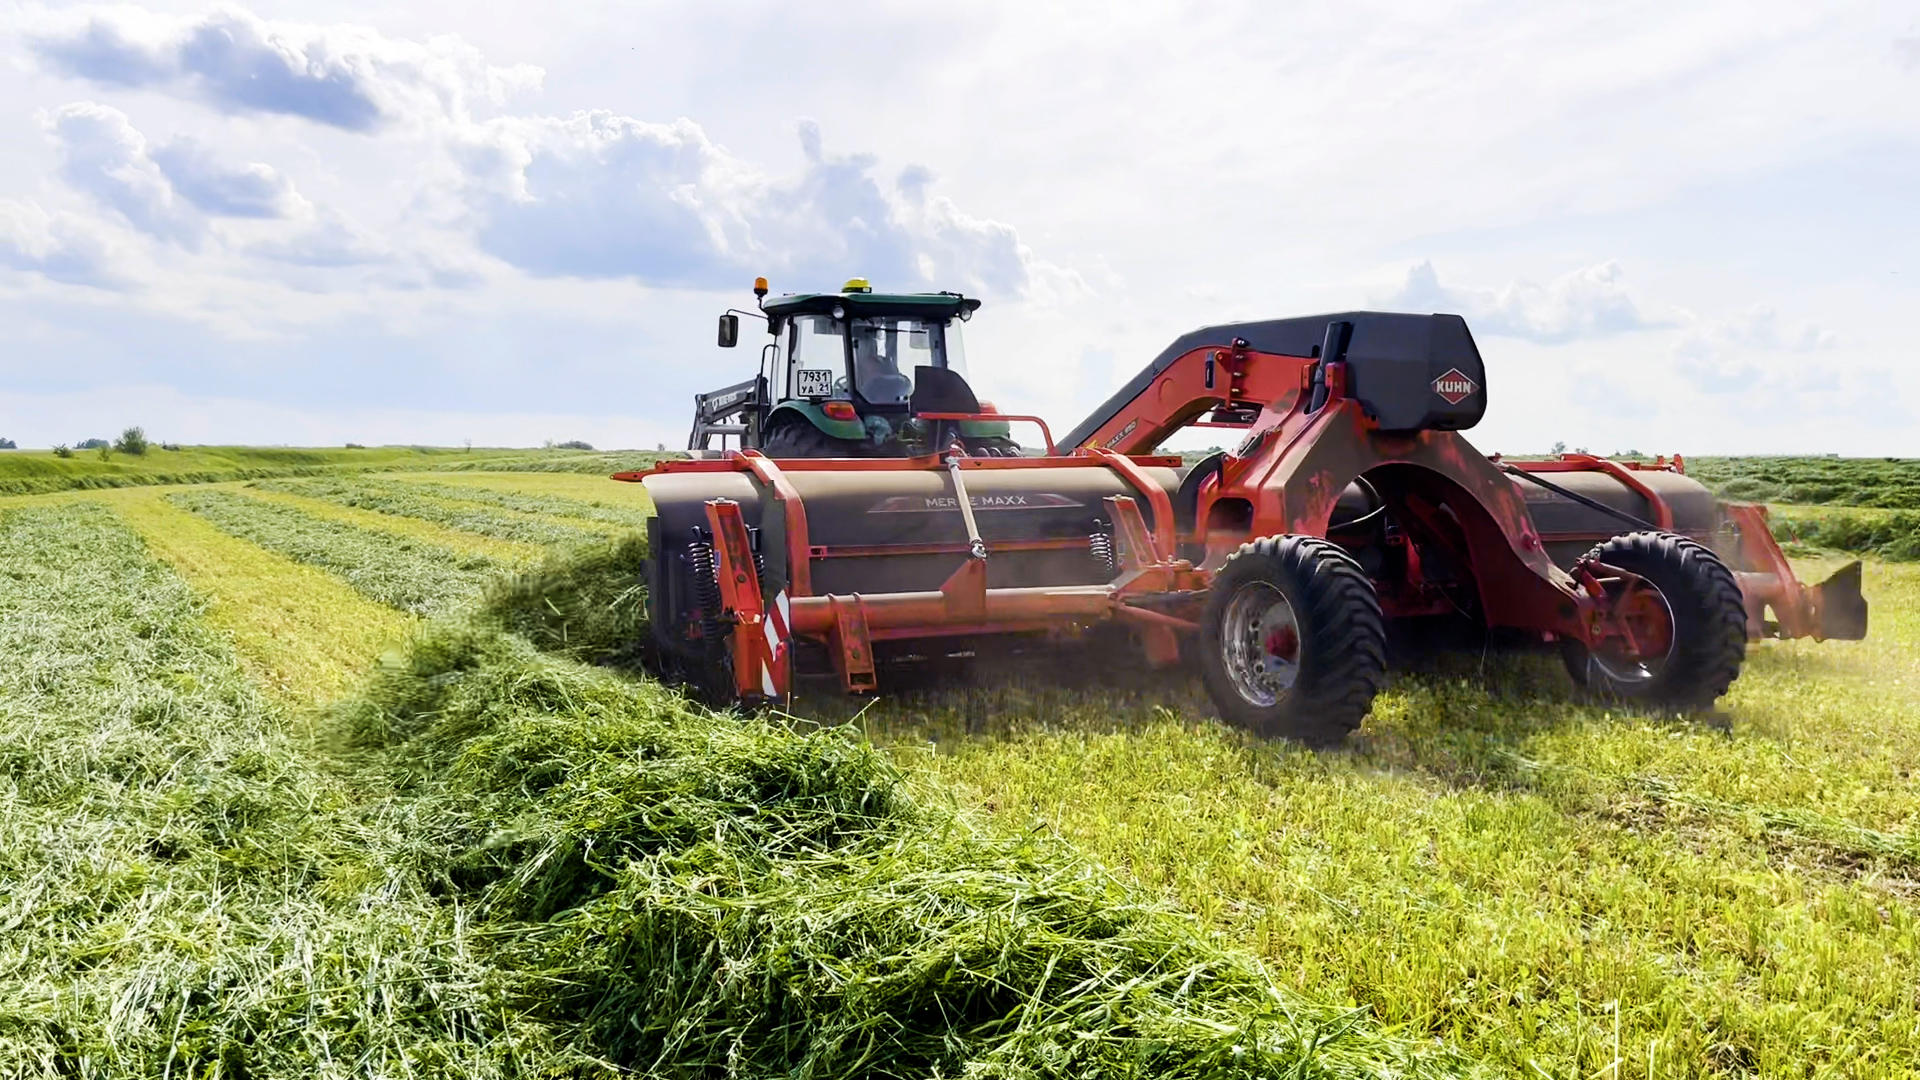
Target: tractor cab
[844, 374]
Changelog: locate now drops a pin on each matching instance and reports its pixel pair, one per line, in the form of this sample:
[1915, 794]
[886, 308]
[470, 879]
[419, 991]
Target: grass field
[1495, 877]
[35, 471]
[1882, 483]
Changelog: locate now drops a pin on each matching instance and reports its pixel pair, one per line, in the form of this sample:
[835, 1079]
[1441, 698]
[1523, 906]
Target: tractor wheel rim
[1260, 639]
[1624, 668]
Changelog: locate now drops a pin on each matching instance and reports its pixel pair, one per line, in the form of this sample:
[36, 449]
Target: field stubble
[396, 571]
[526, 866]
[1497, 863]
[410, 501]
[1552, 887]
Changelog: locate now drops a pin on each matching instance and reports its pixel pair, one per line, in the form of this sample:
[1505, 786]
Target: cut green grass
[35, 471]
[536, 868]
[306, 634]
[400, 573]
[708, 894]
[183, 891]
[413, 530]
[603, 462]
[631, 514]
[1501, 866]
[1891, 535]
[401, 500]
[1888, 483]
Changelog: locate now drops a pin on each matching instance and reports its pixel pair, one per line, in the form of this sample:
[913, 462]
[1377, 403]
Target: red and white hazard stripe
[773, 665]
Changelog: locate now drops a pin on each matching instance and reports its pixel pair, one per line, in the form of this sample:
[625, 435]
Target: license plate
[813, 382]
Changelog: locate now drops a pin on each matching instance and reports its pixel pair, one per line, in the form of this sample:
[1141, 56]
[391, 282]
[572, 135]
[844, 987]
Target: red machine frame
[1285, 477]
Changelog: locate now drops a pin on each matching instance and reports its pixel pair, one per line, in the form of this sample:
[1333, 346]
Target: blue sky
[1673, 227]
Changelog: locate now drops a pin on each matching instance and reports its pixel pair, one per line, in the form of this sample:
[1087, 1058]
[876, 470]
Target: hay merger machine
[1351, 502]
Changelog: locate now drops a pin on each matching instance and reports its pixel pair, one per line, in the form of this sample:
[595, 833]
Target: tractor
[840, 375]
[1350, 504]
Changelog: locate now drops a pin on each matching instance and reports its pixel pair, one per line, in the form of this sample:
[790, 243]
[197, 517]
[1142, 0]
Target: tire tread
[1344, 650]
[1711, 643]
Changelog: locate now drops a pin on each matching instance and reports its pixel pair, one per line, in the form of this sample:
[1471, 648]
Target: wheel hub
[1639, 633]
[1260, 640]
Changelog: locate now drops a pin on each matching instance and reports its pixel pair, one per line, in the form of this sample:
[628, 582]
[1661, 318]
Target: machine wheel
[1293, 644]
[992, 446]
[1696, 607]
[794, 439]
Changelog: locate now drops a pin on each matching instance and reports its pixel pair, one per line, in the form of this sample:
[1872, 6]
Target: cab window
[885, 352]
[817, 358]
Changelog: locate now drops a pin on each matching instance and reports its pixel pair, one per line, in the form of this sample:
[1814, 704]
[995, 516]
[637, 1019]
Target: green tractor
[850, 374]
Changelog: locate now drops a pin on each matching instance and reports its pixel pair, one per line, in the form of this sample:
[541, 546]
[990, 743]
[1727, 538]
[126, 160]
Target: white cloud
[343, 76]
[102, 155]
[43, 419]
[603, 195]
[1751, 353]
[253, 190]
[1721, 155]
[331, 243]
[61, 247]
[1586, 303]
[167, 191]
[592, 195]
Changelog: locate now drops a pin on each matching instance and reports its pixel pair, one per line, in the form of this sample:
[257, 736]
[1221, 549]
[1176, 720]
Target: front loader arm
[1232, 381]
[735, 410]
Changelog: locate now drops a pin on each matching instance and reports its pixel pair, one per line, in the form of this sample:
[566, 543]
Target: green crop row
[394, 570]
[404, 500]
[699, 894]
[606, 461]
[1894, 536]
[1881, 483]
[184, 889]
[27, 472]
[532, 867]
[553, 505]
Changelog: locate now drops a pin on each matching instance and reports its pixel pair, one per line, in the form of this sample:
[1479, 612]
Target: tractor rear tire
[1292, 644]
[796, 439]
[1709, 622]
[992, 446]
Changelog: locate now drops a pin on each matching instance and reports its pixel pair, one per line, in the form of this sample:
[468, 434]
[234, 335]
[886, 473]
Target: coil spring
[706, 588]
[1100, 546]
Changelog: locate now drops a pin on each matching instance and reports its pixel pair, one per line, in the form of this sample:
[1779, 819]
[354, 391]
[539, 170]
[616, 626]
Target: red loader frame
[1306, 439]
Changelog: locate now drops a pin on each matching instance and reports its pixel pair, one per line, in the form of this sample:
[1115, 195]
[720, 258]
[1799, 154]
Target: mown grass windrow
[395, 571]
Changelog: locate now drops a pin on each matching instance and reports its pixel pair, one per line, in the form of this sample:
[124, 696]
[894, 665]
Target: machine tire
[798, 439]
[1709, 625]
[1338, 640]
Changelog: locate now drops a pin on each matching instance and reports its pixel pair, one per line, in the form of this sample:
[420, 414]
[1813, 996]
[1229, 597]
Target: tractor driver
[876, 359]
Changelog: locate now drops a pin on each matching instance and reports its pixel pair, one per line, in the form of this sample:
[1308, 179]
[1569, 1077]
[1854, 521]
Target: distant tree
[132, 441]
[63, 450]
[355, 446]
[575, 444]
[8, 444]
[105, 451]
[91, 444]
[1559, 448]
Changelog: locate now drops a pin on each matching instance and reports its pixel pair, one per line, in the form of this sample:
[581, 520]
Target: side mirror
[729, 330]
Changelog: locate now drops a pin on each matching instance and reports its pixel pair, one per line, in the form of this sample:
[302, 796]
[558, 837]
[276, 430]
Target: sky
[1684, 227]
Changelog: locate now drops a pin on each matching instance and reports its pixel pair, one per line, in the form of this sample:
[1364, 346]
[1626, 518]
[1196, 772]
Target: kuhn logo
[921, 504]
[1454, 387]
